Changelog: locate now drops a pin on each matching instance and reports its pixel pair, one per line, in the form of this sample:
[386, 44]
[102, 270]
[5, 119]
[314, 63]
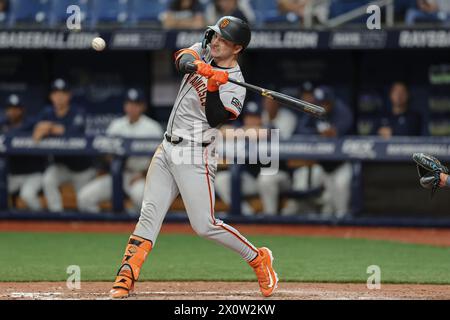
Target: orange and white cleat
[123, 285]
[134, 257]
[267, 277]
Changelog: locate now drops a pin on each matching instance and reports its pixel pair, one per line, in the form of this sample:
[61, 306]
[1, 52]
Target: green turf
[42, 256]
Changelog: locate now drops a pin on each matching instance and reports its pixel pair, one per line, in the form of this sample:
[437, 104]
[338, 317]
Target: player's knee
[28, 195]
[266, 181]
[308, 177]
[85, 199]
[49, 178]
[342, 183]
[343, 179]
[203, 229]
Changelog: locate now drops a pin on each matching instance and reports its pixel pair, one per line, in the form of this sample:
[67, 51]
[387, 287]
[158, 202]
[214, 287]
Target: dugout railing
[355, 149]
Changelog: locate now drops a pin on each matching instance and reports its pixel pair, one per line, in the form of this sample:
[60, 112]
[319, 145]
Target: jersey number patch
[235, 102]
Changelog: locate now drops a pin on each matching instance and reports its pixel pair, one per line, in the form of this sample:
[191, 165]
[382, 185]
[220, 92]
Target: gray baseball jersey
[194, 181]
[188, 117]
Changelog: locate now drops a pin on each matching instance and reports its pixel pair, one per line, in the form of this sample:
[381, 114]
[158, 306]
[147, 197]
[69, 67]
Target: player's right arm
[189, 60]
[186, 56]
[182, 63]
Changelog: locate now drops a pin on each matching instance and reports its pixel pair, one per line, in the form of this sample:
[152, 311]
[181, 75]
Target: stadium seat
[109, 11]
[403, 5]
[4, 14]
[339, 7]
[59, 15]
[28, 11]
[147, 10]
[267, 12]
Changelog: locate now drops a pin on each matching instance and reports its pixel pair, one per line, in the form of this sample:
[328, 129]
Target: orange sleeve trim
[234, 112]
[179, 53]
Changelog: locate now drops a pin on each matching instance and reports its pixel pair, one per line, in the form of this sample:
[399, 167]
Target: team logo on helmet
[224, 23]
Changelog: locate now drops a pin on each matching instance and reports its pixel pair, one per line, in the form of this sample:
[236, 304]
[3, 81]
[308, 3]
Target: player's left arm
[184, 57]
[189, 60]
[183, 62]
[232, 97]
[215, 111]
[224, 104]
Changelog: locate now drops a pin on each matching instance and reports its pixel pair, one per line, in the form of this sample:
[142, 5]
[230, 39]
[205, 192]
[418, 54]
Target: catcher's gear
[429, 169]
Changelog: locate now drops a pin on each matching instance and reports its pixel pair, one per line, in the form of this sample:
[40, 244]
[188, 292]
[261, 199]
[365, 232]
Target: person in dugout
[24, 171]
[59, 119]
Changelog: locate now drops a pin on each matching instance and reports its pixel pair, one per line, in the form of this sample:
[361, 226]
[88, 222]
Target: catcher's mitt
[429, 169]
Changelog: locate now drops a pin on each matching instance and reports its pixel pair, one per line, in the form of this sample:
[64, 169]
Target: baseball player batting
[205, 100]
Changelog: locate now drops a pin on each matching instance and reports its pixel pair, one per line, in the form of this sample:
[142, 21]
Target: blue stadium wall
[359, 65]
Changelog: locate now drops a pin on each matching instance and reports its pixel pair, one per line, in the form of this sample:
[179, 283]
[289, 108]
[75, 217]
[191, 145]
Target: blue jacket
[405, 124]
[74, 123]
[22, 164]
[340, 117]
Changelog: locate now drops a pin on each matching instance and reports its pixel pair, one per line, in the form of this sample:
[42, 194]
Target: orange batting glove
[203, 68]
[219, 77]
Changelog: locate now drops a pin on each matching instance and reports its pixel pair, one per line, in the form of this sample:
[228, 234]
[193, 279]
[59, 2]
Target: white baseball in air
[98, 44]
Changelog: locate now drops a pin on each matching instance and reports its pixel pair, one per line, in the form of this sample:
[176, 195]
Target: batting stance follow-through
[205, 99]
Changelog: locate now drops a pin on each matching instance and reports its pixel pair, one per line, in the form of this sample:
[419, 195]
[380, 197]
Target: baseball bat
[292, 102]
[295, 103]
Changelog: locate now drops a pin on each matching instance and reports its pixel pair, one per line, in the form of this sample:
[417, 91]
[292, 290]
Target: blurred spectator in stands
[4, 8]
[429, 11]
[276, 117]
[334, 176]
[237, 8]
[60, 119]
[251, 119]
[135, 124]
[252, 181]
[399, 120]
[339, 118]
[298, 8]
[184, 14]
[293, 207]
[307, 92]
[24, 172]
